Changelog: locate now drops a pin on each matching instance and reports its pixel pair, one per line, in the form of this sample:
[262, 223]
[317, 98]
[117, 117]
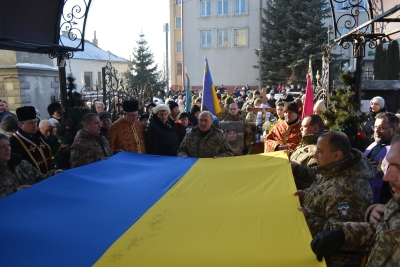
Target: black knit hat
[183, 114]
[130, 105]
[104, 115]
[172, 104]
[292, 106]
[26, 113]
[150, 105]
[53, 107]
[194, 109]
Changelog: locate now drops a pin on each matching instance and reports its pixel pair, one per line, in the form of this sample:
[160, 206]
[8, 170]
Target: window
[178, 24]
[240, 6]
[179, 47]
[88, 79]
[222, 37]
[205, 8]
[206, 38]
[99, 80]
[222, 7]
[240, 37]
[178, 2]
[178, 68]
[346, 7]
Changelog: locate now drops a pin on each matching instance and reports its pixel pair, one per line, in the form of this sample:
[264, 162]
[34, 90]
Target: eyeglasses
[379, 129]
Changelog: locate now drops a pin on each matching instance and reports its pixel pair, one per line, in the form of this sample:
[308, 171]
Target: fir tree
[385, 65]
[293, 30]
[73, 110]
[342, 114]
[143, 69]
[378, 63]
[394, 61]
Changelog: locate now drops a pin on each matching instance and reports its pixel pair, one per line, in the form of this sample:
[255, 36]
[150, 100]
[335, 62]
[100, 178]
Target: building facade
[227, 32]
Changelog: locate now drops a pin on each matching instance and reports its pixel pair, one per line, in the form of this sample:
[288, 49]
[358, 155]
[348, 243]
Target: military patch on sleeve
[72, 155]
[343, 209]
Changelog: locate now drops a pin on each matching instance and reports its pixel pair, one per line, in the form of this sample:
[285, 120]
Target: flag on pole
[308, 108]
[310, 70]
[210, 100]
[188, 95]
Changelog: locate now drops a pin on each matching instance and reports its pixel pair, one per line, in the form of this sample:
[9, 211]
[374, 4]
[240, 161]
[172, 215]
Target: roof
[92, 52]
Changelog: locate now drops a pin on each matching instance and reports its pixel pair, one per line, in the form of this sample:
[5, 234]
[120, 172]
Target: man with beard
[380, 235]
[30, 143]
[384, 128]
[204, 140]
[285, 135]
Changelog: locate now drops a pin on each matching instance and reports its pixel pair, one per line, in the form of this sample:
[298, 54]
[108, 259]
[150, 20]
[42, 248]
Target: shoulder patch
[343, 210]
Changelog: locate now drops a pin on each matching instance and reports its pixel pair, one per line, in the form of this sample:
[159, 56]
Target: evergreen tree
[385, 65]
[378, 63]
[143, 69]
[73, 111]
[394, 61]
[293, 30]
[342, 114]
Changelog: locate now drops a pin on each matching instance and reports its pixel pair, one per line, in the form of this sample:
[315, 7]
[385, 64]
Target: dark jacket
[192, 118]
[161, 138]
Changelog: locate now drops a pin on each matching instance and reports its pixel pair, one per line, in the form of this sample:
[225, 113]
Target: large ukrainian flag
[144, 210]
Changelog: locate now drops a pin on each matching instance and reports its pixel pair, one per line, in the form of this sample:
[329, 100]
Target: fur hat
[130, 105]
[379, 100]
[292, 106]
[53, 107]
[104, 115]
[26, 113]
[319, 105]
[161, 108]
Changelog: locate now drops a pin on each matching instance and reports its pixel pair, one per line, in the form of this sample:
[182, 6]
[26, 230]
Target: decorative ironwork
[73, 21]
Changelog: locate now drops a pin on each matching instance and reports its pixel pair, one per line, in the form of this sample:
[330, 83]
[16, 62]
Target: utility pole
[166, 30]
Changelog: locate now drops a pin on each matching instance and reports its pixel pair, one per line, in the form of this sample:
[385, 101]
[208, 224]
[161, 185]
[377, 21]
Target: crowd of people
[336, 184]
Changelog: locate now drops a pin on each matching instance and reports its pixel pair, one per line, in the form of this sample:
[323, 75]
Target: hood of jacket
[170, 125]
[354, 166]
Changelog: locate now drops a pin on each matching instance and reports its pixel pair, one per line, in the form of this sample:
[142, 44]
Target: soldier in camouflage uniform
[312, 127]
[89, 145]
[340, 193]
[381, 236]
[204, 140]
[17, 174]
[235, 115]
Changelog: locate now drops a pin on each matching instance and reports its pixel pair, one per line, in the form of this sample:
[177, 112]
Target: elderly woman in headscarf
[377, 105]
[161, 138]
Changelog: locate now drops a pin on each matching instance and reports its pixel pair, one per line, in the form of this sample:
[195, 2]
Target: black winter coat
[161, 138]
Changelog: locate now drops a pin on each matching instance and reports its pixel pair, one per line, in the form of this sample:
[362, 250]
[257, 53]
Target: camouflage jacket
[88, 148]
[381, 240]
[248, 133]
[19, 172]
[304, 155]
[213, 144]
[340, 193]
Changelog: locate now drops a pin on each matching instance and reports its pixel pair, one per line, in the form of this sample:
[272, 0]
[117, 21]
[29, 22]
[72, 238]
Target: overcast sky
[118, 24]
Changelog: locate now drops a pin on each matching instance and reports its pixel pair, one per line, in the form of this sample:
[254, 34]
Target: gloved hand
[325, 244]
[245, 151]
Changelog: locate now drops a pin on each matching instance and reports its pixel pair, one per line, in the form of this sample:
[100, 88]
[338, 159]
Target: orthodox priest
[29, 143]
[285, 135]
[127, 133]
